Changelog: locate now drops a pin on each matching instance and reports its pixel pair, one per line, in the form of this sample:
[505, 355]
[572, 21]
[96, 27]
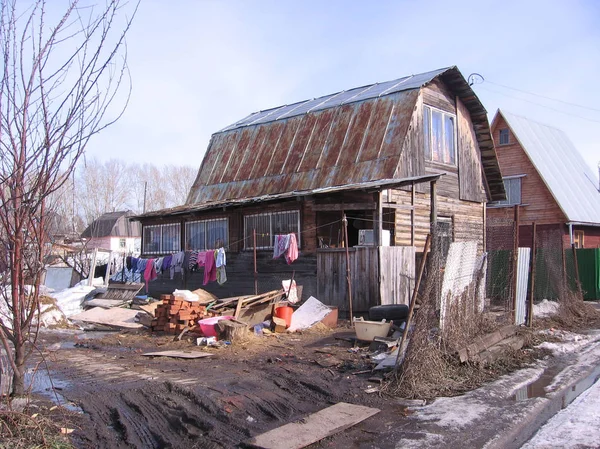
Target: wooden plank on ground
[150, 308]
[313, 428]
[116, 317]
[105, 303]
[484, 342]
[179, 354]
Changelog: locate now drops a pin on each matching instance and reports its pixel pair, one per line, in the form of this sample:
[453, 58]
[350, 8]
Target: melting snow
[574, 427]
[545, 309]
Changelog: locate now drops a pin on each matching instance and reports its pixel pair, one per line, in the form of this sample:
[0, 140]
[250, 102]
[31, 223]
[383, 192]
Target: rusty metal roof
[371, 185]
[345, 138]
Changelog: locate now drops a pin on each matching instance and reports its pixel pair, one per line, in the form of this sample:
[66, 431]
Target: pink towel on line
[149, 272]
[292, 251]
[210, 268]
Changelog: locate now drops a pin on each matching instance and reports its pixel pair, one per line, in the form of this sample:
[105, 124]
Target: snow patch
[570, 341]
[576, 426]
[545, 309]
[455, 413]
[428, 440]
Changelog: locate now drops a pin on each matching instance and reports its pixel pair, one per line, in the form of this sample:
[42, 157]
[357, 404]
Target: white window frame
[249, 243]
[428, 109]
[210, 220]
[161, 249]
[507, 202]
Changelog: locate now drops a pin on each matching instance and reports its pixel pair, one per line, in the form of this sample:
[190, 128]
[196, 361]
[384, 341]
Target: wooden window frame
[428, 135]
[507, 202]
[506, 132]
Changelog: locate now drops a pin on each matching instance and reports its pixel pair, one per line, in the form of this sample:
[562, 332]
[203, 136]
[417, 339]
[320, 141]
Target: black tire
[388, 312]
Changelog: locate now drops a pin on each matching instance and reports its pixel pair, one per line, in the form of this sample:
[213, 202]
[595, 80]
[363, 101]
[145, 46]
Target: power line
[540, 104]
[543, 96]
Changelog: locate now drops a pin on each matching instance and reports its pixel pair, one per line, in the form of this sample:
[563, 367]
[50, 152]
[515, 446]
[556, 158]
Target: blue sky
[198, 66]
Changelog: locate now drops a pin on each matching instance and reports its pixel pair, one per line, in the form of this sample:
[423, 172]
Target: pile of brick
[175, 315]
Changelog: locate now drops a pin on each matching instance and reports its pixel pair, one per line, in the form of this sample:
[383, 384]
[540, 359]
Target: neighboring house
[114, 231]
[373, 153]
[546, 176]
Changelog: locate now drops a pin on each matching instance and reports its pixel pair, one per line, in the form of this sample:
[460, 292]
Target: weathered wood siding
[383, 275]
[438, 95]
[397, 274]
[538, 204]
[469, 162]
[332, 283]
[467, 218]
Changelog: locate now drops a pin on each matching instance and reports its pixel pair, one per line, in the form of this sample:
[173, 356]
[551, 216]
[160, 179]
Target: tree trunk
[18, 383]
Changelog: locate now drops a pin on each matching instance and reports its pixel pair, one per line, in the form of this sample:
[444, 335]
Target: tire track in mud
[161, 408]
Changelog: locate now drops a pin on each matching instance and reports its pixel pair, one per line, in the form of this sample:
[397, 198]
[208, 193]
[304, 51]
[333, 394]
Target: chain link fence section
[500, 243]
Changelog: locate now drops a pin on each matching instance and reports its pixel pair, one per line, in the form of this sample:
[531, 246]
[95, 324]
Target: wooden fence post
[532, 271]
[513, 306]
[348, 279]
[255, 270]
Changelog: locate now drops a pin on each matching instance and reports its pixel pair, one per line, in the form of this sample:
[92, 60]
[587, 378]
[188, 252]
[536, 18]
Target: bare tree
[57, 83]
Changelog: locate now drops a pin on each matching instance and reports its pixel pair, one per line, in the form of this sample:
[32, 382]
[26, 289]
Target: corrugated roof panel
[317, 141]
[377, 128]
[300, 142]
[267, 150]
[246, 141]
[290, 129]
[354, 138]
[570, 180]
[341, 125]
[253, 152]
[398, 122]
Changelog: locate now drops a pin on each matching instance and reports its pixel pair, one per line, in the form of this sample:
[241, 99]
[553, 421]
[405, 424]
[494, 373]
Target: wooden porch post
[345, 222]
[378, 219]
[433, 206]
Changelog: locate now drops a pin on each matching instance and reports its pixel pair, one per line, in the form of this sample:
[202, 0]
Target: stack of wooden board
[249, 309]
[175, 315]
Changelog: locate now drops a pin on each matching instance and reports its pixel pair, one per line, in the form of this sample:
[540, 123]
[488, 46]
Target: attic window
[504, 137]
[440, 136]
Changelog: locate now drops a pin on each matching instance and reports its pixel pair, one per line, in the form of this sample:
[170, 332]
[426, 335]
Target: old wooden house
[393, 157]
[547, 177]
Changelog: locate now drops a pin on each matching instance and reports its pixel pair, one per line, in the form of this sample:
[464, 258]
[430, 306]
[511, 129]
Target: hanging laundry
[221, 275]
[220, 263]
[149, 272]
[292, 252]
[177, 263]
[221, 259]
[201, 258]
[281, 244]
[128, 262]
[158, 265]
[193, 263]
[141, 265]
[166, 263]
[210, 268]
[134, 264]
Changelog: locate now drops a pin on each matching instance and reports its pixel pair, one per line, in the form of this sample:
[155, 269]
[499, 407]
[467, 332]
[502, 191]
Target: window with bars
[206, 234]
[268, 225]
[440, 136]
[161, 239]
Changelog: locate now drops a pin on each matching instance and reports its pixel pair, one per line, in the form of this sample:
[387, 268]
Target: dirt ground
[129, 400]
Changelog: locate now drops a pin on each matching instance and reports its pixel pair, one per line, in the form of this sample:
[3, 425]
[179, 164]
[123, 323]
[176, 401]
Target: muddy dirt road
[132, 401]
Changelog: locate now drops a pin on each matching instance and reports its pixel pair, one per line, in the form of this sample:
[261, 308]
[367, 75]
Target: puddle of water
[40, 383]
[537, 388]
